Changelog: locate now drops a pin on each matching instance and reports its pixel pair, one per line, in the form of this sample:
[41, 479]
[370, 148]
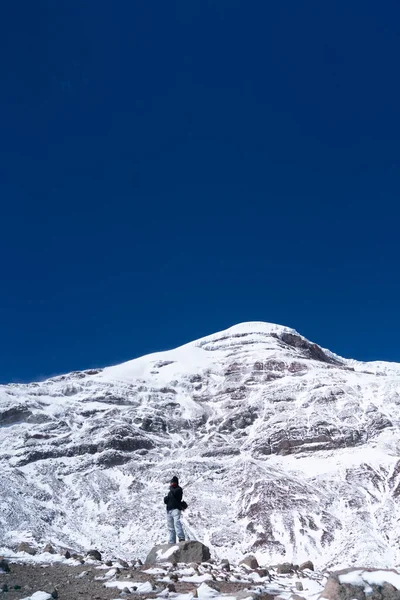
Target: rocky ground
[74, 578]
[69, 580]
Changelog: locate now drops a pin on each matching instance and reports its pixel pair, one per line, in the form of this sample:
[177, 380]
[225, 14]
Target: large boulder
[306, 565]
[186, 552]
[94, 554]
[285, 569]
[25, 547]
[4, 566]
[225, 565]
[250, 562]
[360, 583]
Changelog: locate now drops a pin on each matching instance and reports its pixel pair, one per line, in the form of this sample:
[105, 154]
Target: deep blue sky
[168, 169]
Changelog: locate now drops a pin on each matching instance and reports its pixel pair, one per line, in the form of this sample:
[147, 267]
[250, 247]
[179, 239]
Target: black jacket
[174, 498]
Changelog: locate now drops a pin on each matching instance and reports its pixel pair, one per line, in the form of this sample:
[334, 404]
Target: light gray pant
[174, 525]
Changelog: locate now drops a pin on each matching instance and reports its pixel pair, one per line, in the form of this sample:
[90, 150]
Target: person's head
[174, 481]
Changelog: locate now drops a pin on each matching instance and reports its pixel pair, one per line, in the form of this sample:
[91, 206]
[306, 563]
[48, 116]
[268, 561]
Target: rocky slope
[283, 448]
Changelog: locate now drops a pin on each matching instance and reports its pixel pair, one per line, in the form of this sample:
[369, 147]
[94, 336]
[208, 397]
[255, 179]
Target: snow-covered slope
[283, 449]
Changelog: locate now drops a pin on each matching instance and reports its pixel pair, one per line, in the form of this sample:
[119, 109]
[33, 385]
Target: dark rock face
[14, 415]
[313, 351]
[186, 552]
[114, 442]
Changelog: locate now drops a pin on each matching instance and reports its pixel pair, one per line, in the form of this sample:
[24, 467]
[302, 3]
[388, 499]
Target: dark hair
[174, 480]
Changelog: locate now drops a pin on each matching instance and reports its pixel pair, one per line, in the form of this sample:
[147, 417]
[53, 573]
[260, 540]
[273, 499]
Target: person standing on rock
[173, 500]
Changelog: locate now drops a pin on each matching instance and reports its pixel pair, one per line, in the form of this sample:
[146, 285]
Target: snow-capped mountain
[283, 449]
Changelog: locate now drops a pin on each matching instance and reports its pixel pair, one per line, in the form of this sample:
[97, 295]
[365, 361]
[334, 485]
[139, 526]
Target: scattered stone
[186, 552]
[126, 590]
[25, 547]
[299, 586]
[225, 565]
[250, 561]
[78, 557]
[153, 582]
[54, 594]
[306, 565]
[108, 563]
[95, 554]
[4, 566]
[139, 562]
[81, 575]
[213, 585]
[67, 554]
[285, 569]
[171, 587]
[123, 563]
[17, 587]
[195, 594]
[4, 587]
[243, 594]
[174, 577]
[264, 573]
[49, 548]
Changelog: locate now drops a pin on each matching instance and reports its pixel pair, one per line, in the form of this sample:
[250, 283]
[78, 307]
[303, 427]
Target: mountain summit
[283, 448]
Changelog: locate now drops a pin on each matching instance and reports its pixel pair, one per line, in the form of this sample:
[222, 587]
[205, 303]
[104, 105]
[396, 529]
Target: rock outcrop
[359, 584]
